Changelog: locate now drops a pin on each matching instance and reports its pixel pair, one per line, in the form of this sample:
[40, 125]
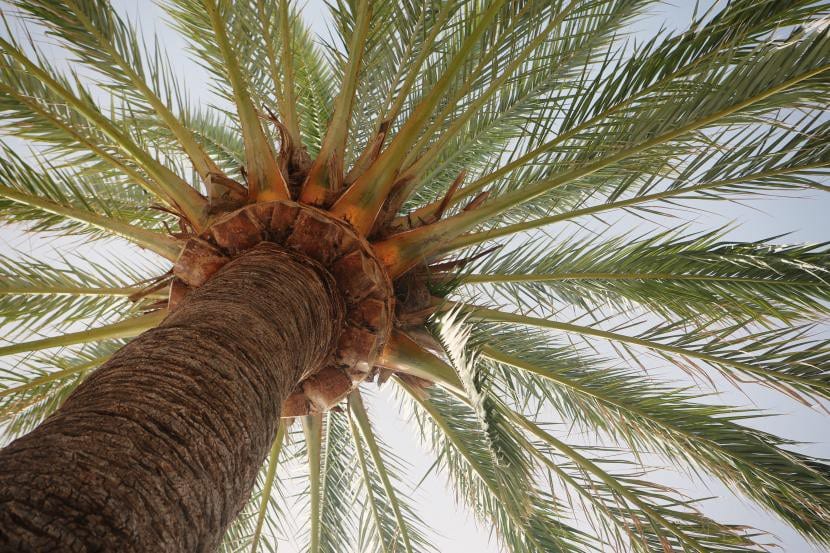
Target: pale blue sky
[457, 532]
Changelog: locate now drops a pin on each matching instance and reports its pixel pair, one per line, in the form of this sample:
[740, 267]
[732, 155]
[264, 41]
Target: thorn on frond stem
[186, 229]
[234, 191]
[460, 263]
[155, 284]
[369, 155]
[477, 201]
[445, 202]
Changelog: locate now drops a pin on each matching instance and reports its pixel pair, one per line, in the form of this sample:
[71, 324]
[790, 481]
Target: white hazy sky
[454, 527]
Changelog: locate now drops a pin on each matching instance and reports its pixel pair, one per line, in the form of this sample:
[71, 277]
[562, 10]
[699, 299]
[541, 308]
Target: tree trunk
[159, 448]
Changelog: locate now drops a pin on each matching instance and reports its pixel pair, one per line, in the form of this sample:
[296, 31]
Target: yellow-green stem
[270, 478]
[122, 329]
[57, 375]
[478, 237]
[492, 315]
[318, 185]
[162, 244]
[361, 203]
[359, 411]
[265, 180]
[313, 429]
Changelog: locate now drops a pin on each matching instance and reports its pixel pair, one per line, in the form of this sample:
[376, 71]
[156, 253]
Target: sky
[456, 530]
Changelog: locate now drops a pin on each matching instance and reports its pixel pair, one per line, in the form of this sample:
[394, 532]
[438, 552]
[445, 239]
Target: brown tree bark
[158, 449]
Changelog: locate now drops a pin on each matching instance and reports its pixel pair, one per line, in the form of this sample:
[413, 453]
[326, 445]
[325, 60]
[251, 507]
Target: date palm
[391, 208]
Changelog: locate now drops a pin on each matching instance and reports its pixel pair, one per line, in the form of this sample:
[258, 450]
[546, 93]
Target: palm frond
[656, 95]
[101, 40]
[47, 199]
[648, 415]
[265, 180]
[656, 521]
[165, 183]
[452, 431]
[122, 329]
[35, 294]
[702, 278]
[327, 169]
[262, 510]
[518, 115]
[781, 159]
[362, 202]
[392, 524]
[787, 359]
[270, 483]
[332, 465]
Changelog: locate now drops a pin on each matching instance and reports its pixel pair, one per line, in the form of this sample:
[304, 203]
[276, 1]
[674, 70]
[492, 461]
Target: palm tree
[389, 208]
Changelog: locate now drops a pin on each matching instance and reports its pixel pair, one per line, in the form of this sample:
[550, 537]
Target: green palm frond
[192, 21]
[313, 86]
[462, 448]
[647, 514]
[266, 506]
[332, 467]
[100, 39]
[780, 159]
[126, 328]
[165, 183]
[786, 359]
[648, 415]
[651, 132]
[389, 522]
[700, 278]
[47, 199]
[651, 519]
[546, 52]
[518, 115]
[34, 111]
[35, 294]
[215, 130]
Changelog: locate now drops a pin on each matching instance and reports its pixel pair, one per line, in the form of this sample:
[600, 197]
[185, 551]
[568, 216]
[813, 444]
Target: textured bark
[159, 448]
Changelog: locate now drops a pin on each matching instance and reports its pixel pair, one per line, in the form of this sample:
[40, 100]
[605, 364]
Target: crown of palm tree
[450, 134]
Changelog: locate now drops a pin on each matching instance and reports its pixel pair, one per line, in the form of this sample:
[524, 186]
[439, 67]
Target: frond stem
[265, 180]
[169, 186]
[313, 430]
[57, 375]
[122, 329]
[478, 237]
[163, 245]
[493, 315]
[270, 475]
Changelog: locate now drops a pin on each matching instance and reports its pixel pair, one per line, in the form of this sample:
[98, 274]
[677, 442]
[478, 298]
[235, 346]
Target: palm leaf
[696, 278]
[392, 524]
[648, 415]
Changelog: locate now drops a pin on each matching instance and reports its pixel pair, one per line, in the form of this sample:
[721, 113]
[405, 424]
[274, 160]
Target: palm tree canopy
[468, 140]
